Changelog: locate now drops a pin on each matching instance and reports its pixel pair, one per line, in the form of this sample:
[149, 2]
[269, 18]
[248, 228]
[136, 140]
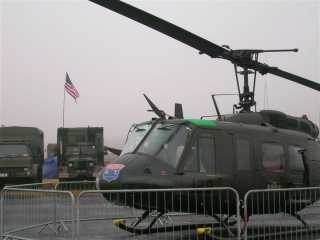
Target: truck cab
[80, 152]
[21, 155]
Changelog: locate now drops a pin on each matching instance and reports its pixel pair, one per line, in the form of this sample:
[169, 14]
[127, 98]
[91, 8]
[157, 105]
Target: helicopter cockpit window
[273, 157]
[166, 142]
[295, 158]
[206, 154]
[201, 158]
[191, 164]
[135, 135]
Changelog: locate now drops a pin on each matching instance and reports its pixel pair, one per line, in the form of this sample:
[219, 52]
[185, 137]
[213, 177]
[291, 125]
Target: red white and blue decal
[112, 171]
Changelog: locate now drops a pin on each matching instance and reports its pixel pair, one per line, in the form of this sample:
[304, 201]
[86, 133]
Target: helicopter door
[273, 164]
[202, 163]
[313, 160]
[243, 154]
[200, 160]
[296, 169]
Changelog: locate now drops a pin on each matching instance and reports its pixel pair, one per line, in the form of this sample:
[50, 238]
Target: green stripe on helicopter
[202, 122]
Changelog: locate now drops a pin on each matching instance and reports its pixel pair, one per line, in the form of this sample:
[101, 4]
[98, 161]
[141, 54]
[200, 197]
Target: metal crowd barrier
[75, 210]
[76, 186]
[36, 211]
[39, 186]
[282, 213]
[172, 213]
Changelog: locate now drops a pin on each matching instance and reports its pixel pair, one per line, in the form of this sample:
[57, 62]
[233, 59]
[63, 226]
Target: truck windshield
[88, 149]
[78, 150]
[166, 142]
[13, 150]
[135, 135]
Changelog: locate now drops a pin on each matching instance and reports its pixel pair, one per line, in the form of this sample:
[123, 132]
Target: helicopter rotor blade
[202, 45]
[115, 151]
[161, 114]
[295, 78]
[264, 69]
[178, 112]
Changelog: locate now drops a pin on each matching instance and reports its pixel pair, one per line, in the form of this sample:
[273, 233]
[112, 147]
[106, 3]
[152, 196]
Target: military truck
[80, 152]
[21, 155]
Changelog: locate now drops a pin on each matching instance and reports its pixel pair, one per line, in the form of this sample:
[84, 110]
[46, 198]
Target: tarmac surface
[21, 211]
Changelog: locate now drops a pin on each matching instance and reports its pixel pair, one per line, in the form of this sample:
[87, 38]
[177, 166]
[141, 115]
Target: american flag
[70, 88]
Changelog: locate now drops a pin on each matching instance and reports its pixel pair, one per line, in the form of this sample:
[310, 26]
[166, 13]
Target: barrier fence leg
[77, 206]
[245, 219]
[73, 217]
[238, 219]
[2, 214]
[54, 220]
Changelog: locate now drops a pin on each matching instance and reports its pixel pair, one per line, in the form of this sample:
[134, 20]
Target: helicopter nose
[115, 175]
[110, 175]
[132, 171]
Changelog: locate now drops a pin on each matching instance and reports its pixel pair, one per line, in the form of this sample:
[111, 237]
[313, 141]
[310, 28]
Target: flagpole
[64, 102]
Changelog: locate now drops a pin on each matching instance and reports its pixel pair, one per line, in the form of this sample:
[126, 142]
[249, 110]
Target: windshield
[135, 135]
[166, 142]
[11, 150]
[80, 150]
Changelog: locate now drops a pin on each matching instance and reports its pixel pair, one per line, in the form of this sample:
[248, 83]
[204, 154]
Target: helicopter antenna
[216, 107]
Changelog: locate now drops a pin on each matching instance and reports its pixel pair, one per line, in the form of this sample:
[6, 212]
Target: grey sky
[113, 60]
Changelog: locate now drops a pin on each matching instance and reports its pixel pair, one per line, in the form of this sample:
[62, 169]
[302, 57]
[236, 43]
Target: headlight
[91, 164]
[70, 165]
[26, 169]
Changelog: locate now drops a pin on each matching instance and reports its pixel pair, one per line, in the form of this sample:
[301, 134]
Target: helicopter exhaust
[178, 111]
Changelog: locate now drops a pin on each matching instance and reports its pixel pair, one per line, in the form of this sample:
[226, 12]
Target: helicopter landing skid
[163, 220]
[300, 219]
[226, 224]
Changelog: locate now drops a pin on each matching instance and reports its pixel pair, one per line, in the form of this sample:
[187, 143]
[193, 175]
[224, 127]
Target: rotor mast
[248, 57]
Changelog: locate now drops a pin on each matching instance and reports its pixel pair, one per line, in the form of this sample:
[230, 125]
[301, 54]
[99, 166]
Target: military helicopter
[244, 150]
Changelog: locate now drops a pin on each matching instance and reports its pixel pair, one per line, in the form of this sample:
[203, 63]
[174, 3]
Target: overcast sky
[112, 60]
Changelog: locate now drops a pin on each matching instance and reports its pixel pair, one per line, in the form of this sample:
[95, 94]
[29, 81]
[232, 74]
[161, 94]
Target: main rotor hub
[248, 59]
